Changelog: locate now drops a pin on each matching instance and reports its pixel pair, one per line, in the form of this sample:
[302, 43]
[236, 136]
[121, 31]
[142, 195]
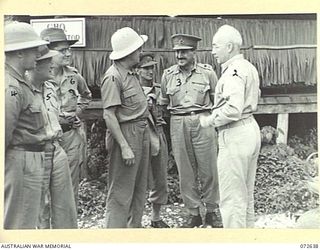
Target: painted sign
[74, 28]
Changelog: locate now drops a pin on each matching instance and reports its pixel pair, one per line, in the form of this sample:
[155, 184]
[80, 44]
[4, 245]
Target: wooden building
[282, 47]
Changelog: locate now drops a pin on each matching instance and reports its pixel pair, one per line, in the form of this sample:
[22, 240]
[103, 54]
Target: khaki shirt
[73, 92]
[51, 101]
[153, 94]
[237, 91]
[192, 93]
[120, 87]
[25, 120]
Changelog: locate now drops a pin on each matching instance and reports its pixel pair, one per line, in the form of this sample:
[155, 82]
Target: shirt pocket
[131, 96]
[36, 117]
[199, 92]
[174, 93]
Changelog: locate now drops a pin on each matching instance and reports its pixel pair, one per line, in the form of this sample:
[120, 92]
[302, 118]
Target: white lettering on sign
[74, 28]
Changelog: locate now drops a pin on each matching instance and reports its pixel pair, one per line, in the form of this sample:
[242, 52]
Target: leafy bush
[304, 146]
[98, 160]
[281, 181]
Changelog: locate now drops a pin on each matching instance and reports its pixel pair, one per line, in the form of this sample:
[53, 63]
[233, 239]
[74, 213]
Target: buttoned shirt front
[184, 94]
[51, 101]
[237, 91]
[73, 92]
[121, 88]
[25, 119]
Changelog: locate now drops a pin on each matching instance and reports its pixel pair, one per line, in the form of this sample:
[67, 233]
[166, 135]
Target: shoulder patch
[205, 66]
[235, 72]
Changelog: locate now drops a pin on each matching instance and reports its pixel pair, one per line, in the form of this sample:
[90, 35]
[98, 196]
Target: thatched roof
[287, 54]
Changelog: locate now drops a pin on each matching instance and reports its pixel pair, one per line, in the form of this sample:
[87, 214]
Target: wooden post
[282, 127]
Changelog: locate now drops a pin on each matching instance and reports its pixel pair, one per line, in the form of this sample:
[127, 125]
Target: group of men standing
[215, 139]
[44, 141]
[214, 136]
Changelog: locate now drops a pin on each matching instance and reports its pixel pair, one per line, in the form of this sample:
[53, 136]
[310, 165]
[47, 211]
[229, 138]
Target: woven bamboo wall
[276, 66]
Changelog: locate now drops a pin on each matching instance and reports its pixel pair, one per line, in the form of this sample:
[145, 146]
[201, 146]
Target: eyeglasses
[64, 50]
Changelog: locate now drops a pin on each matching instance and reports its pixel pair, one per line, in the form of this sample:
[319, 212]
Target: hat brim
[70, 42]
[50, 54]
[115, 55]
[182, 47]
[24, 45]
[148, 64]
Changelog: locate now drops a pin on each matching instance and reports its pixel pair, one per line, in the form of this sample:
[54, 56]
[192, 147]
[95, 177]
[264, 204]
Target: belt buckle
[193, 113]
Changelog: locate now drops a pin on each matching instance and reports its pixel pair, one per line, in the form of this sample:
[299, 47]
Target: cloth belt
[29, 147]
[66, 127]
[235, 124]
[136, 120]
[192, 112]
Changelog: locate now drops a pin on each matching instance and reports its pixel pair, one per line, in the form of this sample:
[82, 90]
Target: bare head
[226, 43]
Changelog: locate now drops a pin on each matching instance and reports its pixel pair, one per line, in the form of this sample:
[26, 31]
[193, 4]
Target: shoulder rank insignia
[235, 73]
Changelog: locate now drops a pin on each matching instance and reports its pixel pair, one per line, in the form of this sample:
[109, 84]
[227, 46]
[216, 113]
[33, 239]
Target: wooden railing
[282, 105]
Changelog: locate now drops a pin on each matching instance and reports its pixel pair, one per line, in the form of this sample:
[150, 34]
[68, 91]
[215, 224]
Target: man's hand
[76, 122]
[206, 120]
[127, 156]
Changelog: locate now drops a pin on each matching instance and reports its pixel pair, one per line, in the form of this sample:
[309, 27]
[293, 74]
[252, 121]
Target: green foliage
[281, 181]
[98, 161]
[304, 146]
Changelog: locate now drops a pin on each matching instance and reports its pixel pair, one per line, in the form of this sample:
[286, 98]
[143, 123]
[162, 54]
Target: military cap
[146, 60]
[184, 41]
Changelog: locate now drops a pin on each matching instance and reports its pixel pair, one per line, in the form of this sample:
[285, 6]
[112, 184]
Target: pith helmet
[125, 41]
[184, 41]
[55, 35]
[18, 36]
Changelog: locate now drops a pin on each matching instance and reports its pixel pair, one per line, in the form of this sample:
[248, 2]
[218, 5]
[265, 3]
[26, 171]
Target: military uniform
[57, 199]
[194, 148]
[24, 151]
[159, 148]
[127, 184]
[74, 96]
[236, 98]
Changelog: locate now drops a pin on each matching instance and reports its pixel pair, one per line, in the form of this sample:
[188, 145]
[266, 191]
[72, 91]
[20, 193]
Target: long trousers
[195, 152]
[128, 184]
[22, 188]
[237, 163]
[58, 210]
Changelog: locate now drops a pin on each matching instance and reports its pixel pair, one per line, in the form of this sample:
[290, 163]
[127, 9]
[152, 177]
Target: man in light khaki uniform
[236, 98]
[58, 208]
[74, 97]
[125, 111]
[159, 147]
[187, 89]
[25, 131]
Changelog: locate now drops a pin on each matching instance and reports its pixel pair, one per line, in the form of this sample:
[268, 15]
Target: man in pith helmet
[125, 110]
[25, 123]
